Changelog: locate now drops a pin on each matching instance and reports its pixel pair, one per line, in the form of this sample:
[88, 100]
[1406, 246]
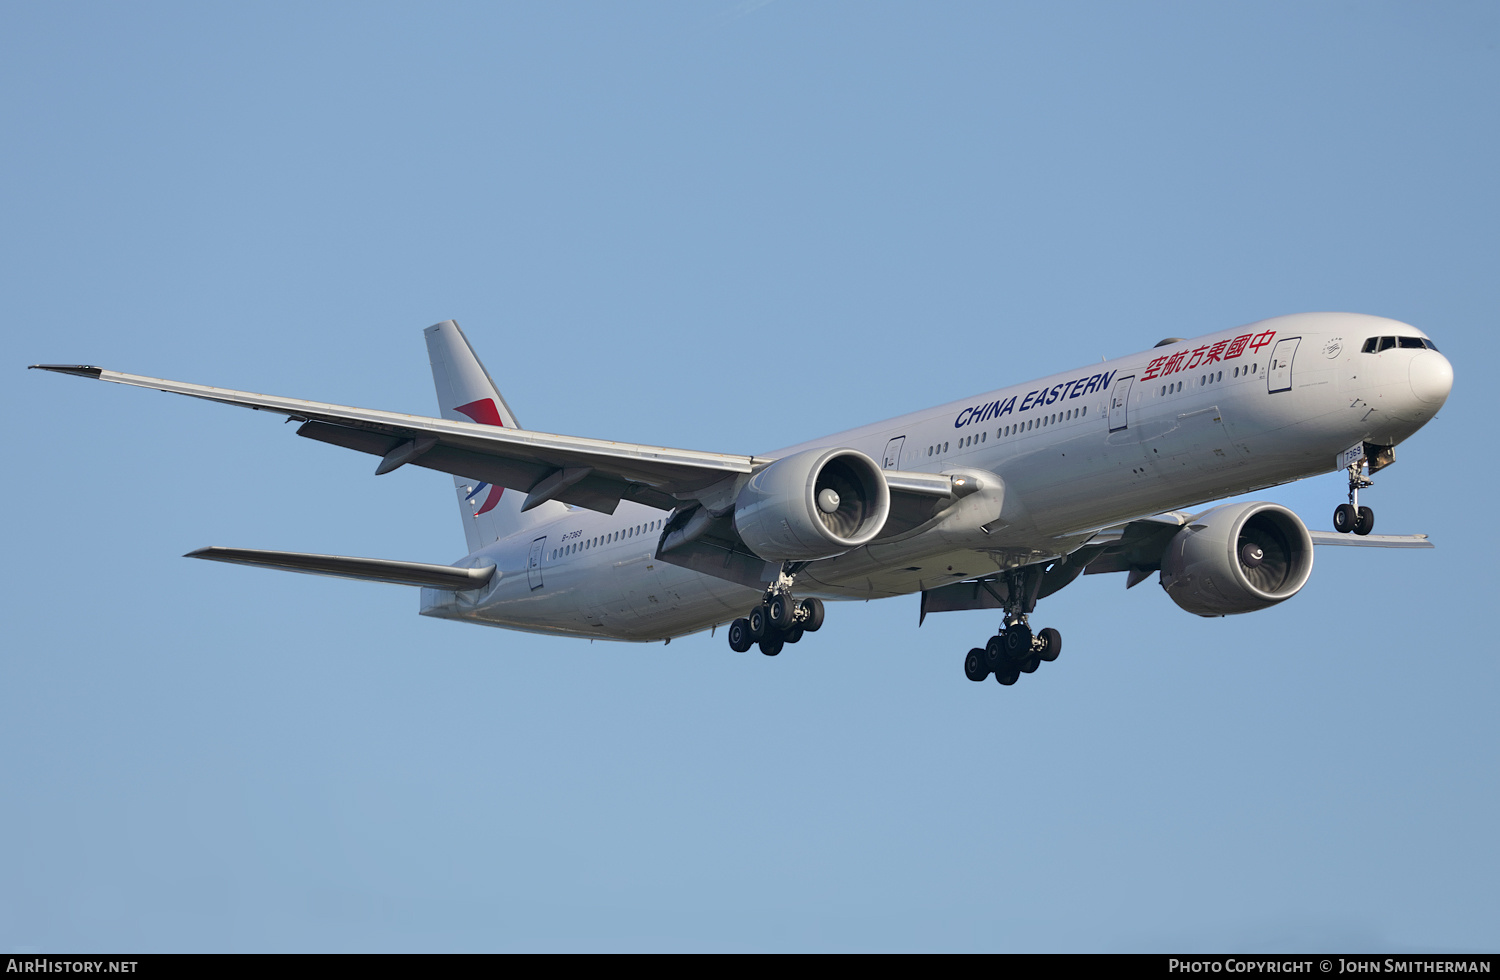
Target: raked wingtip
[82, 370]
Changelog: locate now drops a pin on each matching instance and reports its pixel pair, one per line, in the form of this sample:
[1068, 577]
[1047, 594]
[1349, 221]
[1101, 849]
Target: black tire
[1008, 676]
[812, 614]
[1030, 666]
[781, 611]
[756, 622]
[1344, 518]
[794, 634]
[1053, 639]
[1365, 522]
[739, 636]
[771, 645]
[995, 657]
[975, 668]
[1017, 643]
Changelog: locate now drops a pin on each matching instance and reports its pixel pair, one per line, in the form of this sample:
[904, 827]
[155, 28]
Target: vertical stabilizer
[466, 394]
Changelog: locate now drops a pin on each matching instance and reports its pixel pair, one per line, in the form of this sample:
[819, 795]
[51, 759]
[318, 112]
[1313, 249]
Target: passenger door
[892, 459]
[1119, 402]
[1279, 377]
[534, 563]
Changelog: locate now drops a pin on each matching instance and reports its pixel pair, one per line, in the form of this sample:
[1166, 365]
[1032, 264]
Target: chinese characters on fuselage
[1224, 350]
[1183, 360]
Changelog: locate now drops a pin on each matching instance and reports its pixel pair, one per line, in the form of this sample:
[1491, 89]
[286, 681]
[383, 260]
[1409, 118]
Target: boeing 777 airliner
[990, 502]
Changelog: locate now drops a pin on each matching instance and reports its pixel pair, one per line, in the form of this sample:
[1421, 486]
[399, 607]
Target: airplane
[990, 502]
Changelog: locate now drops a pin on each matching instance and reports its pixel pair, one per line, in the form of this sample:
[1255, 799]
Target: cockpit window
[1376, 344]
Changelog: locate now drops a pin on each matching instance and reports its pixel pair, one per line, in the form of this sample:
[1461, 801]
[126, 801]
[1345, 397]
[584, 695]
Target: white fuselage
[1167, 428]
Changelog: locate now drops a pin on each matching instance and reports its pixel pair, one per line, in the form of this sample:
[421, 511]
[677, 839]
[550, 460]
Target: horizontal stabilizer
[365, 569]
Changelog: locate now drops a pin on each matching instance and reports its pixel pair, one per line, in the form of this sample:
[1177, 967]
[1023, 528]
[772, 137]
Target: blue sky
[732, 227]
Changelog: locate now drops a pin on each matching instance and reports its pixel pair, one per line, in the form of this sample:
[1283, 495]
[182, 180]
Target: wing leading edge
[592, 473]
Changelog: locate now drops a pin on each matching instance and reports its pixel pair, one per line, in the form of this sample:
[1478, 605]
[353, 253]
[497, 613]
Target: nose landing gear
[1015, 650]
[1351, 516]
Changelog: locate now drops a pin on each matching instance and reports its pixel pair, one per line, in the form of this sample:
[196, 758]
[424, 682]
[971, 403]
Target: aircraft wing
[592, 473]
[1136, 547]
[1372, 540]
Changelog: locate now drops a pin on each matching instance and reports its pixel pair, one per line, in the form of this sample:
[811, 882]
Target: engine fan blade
[850, 515]
[1265, 557]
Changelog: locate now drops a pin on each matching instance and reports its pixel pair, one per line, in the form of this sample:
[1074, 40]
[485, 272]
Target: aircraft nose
[1431, 377]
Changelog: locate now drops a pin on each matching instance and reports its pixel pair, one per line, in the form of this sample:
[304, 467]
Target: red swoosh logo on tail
[485, 413]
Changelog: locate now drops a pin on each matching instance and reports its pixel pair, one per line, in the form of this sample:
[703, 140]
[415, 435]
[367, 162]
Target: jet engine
[1237, 559]
[813, 504]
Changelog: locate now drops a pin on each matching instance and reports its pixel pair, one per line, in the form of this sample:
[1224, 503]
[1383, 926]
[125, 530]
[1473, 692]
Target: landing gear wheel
[781, 611]
[975, 668]
[1345, 517]
[1030, 666]
[1017, 640]
[1365, 523]
[771, 645]
[756, 623]
[1008, 676]
[995, 657]
[794, 634]
[812, 614]
[739, 636]
[1052, 641]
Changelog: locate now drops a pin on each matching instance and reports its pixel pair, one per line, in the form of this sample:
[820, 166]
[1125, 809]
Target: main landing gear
[778, 620]
[1351, 516]
[1015, 650]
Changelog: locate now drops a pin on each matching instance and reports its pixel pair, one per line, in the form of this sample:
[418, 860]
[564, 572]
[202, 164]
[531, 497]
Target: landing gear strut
[1351, 516]
[1015, 650]
[779, 619]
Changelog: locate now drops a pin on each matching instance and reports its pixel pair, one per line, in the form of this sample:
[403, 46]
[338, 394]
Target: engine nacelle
[813, 504]
[1237, 559]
